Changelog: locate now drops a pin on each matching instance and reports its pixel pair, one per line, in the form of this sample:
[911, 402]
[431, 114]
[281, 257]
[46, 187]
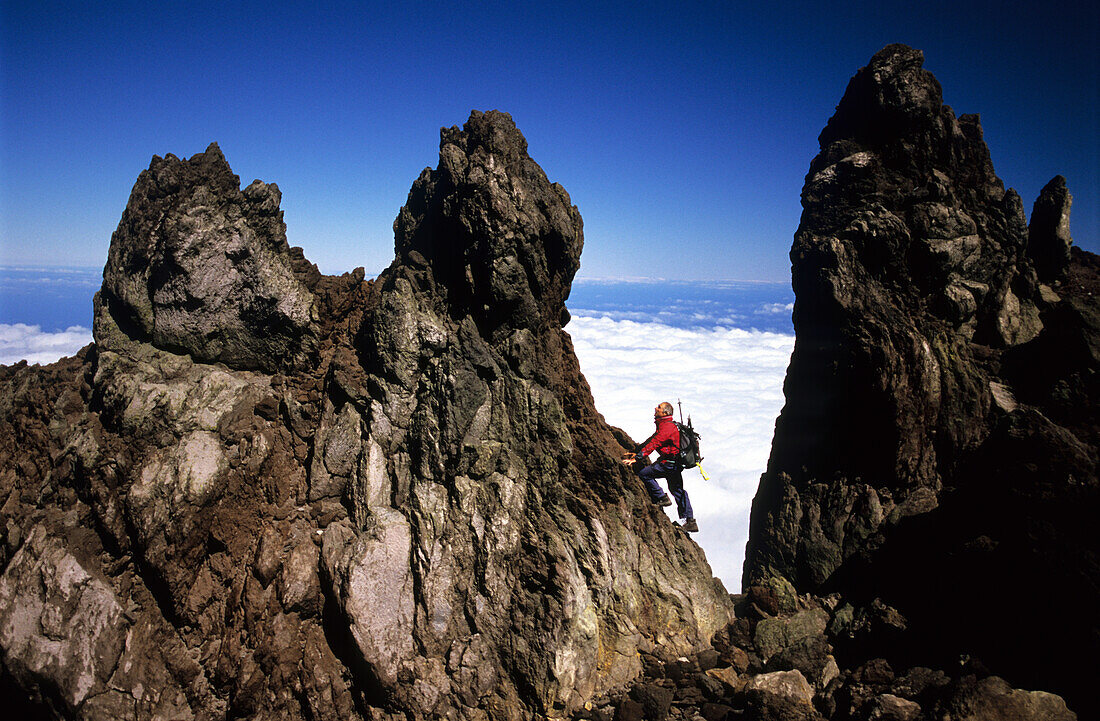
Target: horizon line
[582, 279]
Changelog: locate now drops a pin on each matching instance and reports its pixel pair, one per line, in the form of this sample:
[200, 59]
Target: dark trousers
[671, 471]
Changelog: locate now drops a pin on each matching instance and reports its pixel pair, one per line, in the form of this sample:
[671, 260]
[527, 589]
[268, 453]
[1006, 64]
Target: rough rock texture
[199, 266]
[937, 453]
[734, 681]
[1049, 240]
[267, 493]
[57, 622]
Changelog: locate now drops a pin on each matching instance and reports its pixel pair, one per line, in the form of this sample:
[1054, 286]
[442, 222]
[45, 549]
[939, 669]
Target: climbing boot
[664, 501]
[690, 525]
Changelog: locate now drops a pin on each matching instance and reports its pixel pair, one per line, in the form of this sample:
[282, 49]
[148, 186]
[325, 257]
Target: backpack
[689, 445]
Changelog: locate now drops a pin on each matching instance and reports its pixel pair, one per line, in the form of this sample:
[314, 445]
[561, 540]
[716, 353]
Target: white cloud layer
[731, 383]
[19, 341]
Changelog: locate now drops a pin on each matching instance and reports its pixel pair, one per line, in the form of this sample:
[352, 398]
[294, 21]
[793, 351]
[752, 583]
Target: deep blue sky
[679, 129]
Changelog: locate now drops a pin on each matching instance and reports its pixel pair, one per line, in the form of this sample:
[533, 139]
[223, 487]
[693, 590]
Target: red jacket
[665, 441]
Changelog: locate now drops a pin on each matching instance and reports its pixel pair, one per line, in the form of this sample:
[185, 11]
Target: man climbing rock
[666, 441]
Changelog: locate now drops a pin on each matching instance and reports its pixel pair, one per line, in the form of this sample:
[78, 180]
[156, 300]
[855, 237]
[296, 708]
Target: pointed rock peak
[893, 92]
[169, 174]
[1049, 238]
[199, 267]
[494, 131]
[1057, 184]
[212, 162]
[895, 57]
[211, 159]
[500, 238]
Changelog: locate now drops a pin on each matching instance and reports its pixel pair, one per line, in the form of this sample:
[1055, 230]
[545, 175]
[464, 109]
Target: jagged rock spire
[199, 266]
[1049, 240]
[482, 395]
[502, 239]
[935, 434]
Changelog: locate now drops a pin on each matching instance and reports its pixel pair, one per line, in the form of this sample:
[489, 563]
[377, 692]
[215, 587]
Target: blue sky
[680, 130]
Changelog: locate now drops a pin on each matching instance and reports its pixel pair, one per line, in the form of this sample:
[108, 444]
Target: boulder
[775, 635]
[780, 696]
[790, 685]
[993, 699]
[887, 707]
[655, 699]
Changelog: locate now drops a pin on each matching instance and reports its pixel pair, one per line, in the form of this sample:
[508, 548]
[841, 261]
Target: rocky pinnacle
[268, 493]
[937, 450]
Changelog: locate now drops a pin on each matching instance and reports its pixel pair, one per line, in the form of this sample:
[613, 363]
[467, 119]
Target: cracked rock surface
[268, 493]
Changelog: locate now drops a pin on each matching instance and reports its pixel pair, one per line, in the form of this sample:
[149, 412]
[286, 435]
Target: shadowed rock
[1049, 240]
[928, 452]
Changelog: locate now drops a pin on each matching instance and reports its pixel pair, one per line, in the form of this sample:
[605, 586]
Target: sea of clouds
[729, 380]
[45, 313]
[19, 341]
[721, 349]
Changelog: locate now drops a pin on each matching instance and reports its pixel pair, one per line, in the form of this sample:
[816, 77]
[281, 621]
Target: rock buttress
[265, 492]
[938, 444]
[534, 566]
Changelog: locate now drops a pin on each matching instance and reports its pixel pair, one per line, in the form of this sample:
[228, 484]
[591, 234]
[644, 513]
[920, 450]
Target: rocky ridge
[936, 455]
[264, 492]
[409, 508]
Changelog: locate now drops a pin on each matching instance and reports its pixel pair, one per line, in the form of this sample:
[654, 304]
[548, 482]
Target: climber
[666, 441]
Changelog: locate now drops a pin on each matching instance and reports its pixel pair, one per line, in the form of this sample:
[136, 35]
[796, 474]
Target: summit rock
[268, 493]
[201, 267]
[937, 452]
[1049, 239]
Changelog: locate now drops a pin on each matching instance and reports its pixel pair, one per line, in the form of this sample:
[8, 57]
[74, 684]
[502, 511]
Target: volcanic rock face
[1049, 241]
[938, 446]
[198, 266]
[269, 493]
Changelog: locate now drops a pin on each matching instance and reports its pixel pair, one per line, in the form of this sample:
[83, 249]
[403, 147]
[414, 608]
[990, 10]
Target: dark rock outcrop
[937, 450]
[1049, 241]
[268, 493]
[198, 266]
[734, 680]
